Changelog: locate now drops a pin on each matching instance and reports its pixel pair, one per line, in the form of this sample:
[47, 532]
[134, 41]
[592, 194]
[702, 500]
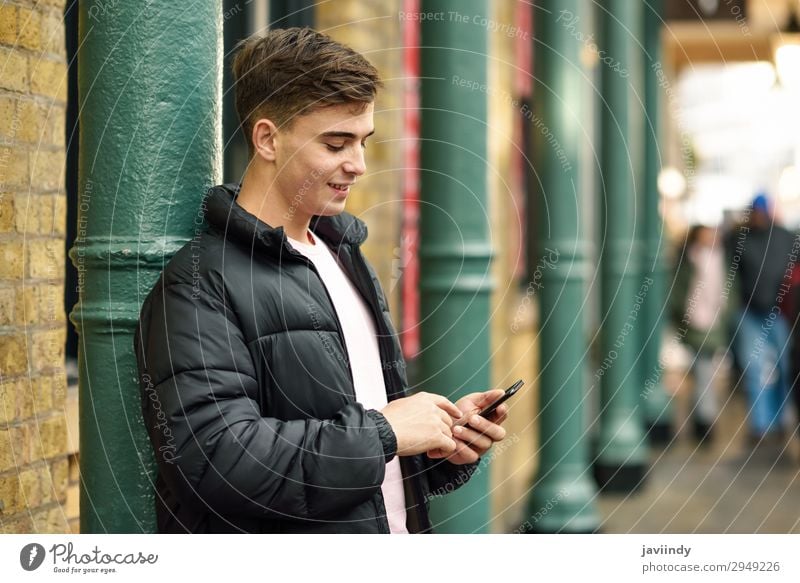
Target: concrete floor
[729, 486]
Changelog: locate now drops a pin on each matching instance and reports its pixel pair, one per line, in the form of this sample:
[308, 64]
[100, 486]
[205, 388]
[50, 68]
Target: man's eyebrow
[346, 135]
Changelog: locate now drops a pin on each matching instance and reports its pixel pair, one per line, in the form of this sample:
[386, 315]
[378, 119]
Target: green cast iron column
[563, 496]
[455, 251]
[621, 455]
[658, 405]
[150, 144]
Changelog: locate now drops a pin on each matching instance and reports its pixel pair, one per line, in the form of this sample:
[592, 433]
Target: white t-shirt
[361, 339]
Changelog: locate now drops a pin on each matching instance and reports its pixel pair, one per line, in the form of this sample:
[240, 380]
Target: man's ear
[264, 135]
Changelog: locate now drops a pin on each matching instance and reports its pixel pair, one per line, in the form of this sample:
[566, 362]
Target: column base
[612, 478]
[659, 433]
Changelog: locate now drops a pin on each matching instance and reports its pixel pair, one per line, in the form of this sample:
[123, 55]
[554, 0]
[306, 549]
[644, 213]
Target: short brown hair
[293, 71]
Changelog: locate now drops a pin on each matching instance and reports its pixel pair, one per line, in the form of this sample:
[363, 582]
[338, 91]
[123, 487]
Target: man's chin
[332, 209]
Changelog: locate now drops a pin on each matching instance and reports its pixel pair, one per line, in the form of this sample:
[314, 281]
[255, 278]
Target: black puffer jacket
[248, 396]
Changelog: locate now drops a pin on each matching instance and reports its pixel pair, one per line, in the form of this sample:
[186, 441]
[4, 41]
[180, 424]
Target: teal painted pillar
[621, 456]
[564, 491]
[658, 405]
[150, 144]
[455, 251]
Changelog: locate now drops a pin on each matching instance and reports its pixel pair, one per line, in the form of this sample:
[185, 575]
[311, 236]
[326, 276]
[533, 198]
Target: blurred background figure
[760, 250]
[698, 306]
[792, 312]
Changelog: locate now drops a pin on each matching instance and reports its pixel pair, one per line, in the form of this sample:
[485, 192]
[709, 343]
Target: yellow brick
[15, 71]
[42, 393]
[72, 507]
[59, 474]
[34, 213]
[47, 349]
[34, 451]
[48, 78]
[60, 215]
[8, 25]
[13, 354]
[50, 521]
[59, 390]
[51, 304]
[27, 305]
[8, 407]
[45, 258]
[25, 402]
[53, 34]
[45, 204]
[55, 122]
[8, 306]
[47, 169]
[32, 117]
[53, 434]
[10, 494]
[29, 23]
[14, 166]
[11, 259]
[9, 121]
[12, 448]
[30, 483]
[46, 484]
[20, 524]
[6, 213]
[26, 219]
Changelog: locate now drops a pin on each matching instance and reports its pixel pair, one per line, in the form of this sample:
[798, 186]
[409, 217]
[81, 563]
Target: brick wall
[34, 469]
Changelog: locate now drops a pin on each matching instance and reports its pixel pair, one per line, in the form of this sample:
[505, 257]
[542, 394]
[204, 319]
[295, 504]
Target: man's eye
[333, 148]
[363, 145]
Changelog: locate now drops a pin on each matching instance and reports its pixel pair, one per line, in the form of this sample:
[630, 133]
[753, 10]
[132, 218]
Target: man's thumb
[490, 397]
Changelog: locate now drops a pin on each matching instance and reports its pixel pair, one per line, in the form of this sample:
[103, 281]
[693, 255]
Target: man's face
[320, 157]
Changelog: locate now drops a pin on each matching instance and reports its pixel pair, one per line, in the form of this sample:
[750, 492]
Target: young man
[273, 386]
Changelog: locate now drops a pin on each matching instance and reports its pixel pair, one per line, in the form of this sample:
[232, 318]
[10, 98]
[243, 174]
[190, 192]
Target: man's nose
[356, 163]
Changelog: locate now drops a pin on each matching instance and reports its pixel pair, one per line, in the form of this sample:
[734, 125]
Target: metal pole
[621, 453]
[150, 145]
[455, 251]
[564, 492]
[658, 405]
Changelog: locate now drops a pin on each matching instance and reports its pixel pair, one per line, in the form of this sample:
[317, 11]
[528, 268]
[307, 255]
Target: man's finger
[448, 445]
[500, 415]
[494, 431]
[464, 419]
[447, 419]
[488, 397]
[447, 406]
[467, 454]
[471, 437]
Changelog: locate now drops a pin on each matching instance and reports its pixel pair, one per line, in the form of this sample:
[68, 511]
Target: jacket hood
[223, 213]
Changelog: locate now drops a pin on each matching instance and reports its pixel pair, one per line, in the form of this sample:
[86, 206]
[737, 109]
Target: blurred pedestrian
[760, 259]
[698, 305]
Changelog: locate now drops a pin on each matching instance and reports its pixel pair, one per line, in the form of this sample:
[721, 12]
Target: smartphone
[510, 392]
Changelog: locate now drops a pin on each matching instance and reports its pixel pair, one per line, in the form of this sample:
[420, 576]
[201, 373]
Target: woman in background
[698, 307]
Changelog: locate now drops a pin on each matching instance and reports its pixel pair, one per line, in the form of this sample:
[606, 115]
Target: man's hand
[475, 435]
[422, 422]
